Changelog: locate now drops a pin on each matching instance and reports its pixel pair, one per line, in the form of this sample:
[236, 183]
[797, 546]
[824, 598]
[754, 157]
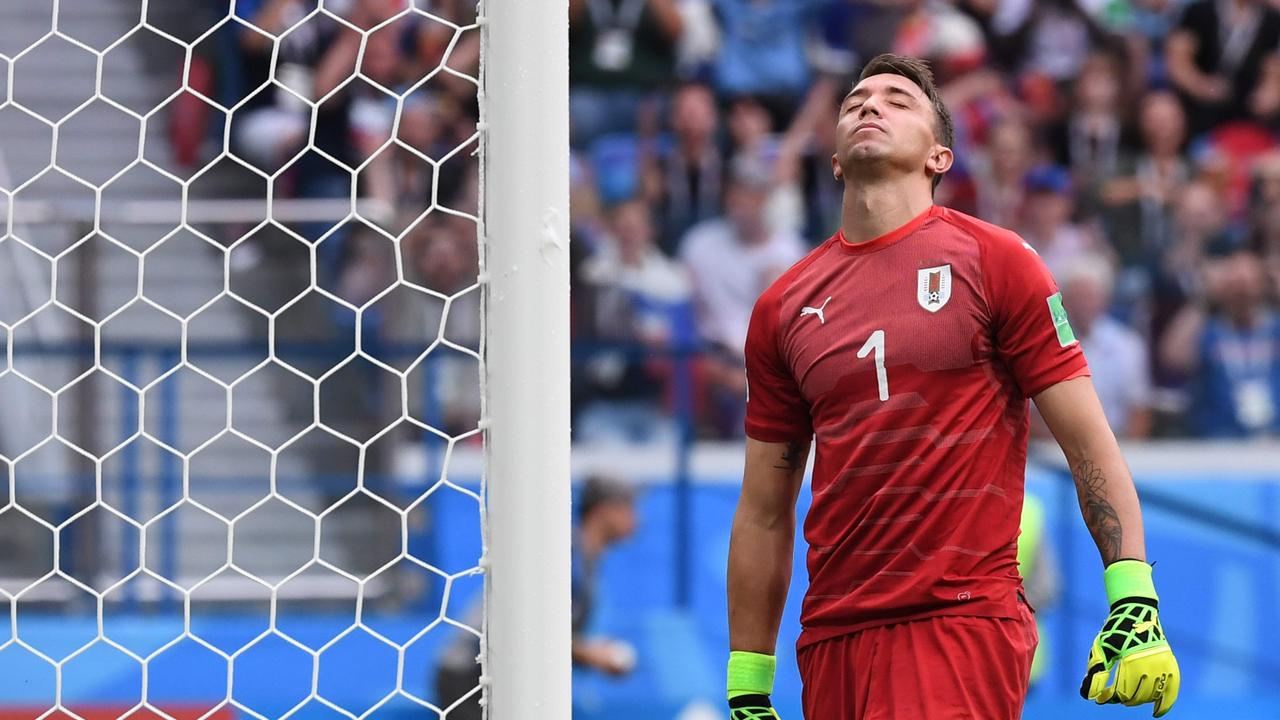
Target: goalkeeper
[907, 346]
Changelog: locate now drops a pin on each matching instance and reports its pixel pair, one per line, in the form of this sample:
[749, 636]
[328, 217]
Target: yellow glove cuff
[1127, 579]
[751, 673]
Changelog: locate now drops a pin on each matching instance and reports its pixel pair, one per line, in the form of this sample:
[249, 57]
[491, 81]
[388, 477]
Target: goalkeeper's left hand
[750, 684]
[1133, 643]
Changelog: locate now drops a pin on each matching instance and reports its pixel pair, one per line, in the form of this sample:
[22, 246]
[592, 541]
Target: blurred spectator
[699, 44]
[1117, 355]
[434, 124]
[587, 231]
[369, 269]
[621, 52]
[441, 254]
[942, 34]
[686, 182]
[1088, 139]
[1267, 243]
[606, 516]
[1222, 60]
[1266, 214]
[436, 38]
[273, 122]
[586, 208]
[1264, 192]
[762, 51]
[354, 117]
[1047, 225]
[751, 129]
[1199, 229]
[1049, 38]
[1232, 349]
[1000, 174]
[1139, 201]
[852, 32]
[732, 260]
[751, 136]
[1146, 30]
[806, 198]
[444, 254]
[641, 300]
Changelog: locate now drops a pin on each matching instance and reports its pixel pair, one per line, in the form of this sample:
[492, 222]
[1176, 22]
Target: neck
[694, 146]
[1244, 317]
[752, 234]
[633, 257]
[873, 208]
[591, 540]
[1097, 118]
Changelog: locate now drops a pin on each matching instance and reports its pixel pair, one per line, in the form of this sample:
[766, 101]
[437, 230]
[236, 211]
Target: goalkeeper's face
[887, 125]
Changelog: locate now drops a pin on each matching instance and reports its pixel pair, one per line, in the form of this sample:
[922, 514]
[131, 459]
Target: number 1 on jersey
[876, 343]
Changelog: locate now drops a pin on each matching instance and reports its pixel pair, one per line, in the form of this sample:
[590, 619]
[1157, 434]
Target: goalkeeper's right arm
[760, 552]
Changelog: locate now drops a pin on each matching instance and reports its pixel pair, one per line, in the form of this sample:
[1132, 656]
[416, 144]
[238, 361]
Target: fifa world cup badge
[1058, 314]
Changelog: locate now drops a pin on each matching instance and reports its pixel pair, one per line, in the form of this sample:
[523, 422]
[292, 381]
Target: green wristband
[1128, 578]
[751, 673]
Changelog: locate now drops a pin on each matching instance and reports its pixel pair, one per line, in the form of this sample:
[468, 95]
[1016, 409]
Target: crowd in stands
[1132, 143]
[395, 112]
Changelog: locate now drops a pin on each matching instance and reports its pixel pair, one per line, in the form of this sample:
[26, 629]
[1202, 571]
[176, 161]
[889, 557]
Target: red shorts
[940, 668]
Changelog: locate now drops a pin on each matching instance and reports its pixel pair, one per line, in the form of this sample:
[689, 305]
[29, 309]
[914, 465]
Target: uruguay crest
[933, 287]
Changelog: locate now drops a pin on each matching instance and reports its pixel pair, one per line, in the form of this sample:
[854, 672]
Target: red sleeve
[1031, 332]
[776, 411]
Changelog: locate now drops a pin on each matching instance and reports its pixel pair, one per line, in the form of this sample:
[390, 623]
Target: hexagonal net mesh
[239, 402]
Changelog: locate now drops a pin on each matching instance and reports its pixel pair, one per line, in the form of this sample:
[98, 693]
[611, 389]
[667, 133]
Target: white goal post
[170, 382]
[524, 105]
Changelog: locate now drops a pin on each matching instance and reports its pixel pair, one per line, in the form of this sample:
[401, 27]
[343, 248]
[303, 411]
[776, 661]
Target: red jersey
[910, 358]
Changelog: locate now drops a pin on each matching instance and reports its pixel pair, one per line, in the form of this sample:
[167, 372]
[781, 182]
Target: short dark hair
[918, 72]
[598, 490]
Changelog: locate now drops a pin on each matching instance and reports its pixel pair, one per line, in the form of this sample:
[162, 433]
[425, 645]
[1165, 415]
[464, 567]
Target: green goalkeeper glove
[1133, 643]
[750, 684]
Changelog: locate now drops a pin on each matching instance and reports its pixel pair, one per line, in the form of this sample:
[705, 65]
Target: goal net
[263, 383]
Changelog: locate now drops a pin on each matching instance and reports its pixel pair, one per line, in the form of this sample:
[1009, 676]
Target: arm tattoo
[1099, 516]
[793, 457]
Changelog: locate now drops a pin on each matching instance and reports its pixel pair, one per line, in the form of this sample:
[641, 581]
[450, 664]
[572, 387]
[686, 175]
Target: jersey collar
[888, 238]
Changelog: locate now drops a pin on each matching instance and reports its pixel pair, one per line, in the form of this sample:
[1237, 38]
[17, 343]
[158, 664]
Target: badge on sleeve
[933, 287]
[1058, 314]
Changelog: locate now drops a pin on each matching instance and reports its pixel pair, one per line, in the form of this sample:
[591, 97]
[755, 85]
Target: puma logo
[822, 319]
